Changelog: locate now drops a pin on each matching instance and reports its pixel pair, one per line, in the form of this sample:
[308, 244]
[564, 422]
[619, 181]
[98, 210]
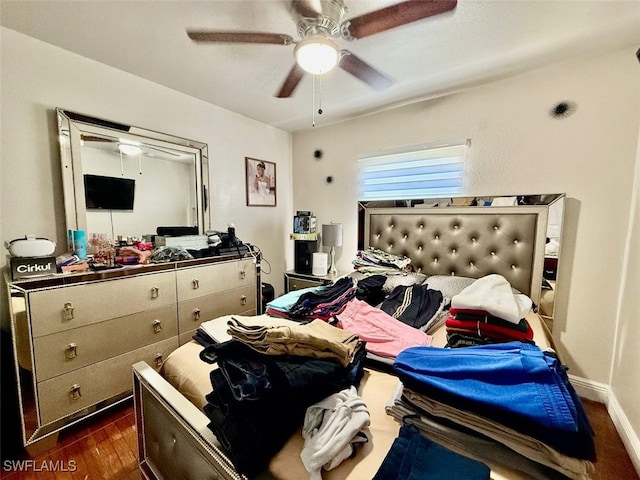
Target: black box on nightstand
[303, 255]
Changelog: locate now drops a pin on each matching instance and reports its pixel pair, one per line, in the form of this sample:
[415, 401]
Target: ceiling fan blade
[239, 37]
[291, 82]
[93, 138]
[363, 71]
[396, 15]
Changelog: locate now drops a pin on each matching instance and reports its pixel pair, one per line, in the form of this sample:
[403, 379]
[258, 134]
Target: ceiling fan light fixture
[128, 149]
[317, 55]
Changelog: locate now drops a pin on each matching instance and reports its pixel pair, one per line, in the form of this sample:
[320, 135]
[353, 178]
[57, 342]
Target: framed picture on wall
[261, 182]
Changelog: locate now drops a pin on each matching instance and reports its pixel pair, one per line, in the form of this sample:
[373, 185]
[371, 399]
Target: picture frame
[260, 178]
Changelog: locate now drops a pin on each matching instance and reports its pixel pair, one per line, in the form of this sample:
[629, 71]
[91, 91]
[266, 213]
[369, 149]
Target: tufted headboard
[467, 241]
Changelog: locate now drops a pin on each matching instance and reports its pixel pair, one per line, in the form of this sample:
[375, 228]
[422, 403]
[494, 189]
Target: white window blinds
[422, 172]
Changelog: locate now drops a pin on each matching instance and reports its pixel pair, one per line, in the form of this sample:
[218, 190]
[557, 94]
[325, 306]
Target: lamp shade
[332, 235]
[317, 55]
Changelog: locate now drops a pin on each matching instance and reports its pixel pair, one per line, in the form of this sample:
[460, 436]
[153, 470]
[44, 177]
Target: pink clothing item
[385, 336]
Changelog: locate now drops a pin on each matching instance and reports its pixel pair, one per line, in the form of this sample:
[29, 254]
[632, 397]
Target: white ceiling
[480, 40]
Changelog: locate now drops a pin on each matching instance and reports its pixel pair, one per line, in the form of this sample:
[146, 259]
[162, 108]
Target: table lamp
[332, 237]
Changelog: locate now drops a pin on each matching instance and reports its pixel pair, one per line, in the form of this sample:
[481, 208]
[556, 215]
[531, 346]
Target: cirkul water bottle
[80, 243]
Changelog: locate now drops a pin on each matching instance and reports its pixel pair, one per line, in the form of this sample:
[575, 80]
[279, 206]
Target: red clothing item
[488, 330]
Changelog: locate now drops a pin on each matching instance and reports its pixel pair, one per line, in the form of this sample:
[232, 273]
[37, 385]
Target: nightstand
[296, 281]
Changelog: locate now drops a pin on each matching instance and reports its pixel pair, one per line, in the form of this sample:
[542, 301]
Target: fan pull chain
[139, 163]
[313, 100]
[320, 98]
[121, 165]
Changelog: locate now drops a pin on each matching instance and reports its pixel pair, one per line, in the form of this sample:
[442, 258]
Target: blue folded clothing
[413, 456]
[513, 383]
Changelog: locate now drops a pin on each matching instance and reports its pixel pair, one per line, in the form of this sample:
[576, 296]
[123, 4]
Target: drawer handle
[67, 311]
[243, 300]
[196, 283]
[196, 314]
[157, 326]
[74, 391]
[155, 292]
[72, 351]
[243, 274]
[158, 360]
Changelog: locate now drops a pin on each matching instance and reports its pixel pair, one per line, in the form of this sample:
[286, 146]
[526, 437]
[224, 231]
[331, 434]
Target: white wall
[626, 360]
[517, 148]
[37, 77]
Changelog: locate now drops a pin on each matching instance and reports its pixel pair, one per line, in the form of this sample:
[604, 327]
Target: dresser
[76, 336]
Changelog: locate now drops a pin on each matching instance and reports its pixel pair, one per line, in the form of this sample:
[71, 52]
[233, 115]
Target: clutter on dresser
[190, 242]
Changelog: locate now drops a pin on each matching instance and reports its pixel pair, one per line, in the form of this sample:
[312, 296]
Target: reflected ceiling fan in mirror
[126, 147]
[320, 23]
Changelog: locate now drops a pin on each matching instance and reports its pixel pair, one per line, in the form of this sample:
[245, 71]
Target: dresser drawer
[66, 351]
[61, 396]
[200, 281]
[187, 336]
[75, 306]
[191, 313]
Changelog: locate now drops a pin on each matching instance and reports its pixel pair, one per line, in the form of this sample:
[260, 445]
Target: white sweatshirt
[330, 429]
[493, 294]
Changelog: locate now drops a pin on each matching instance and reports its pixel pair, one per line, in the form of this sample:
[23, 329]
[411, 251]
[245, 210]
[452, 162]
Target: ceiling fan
[319, 23]
[128, 148]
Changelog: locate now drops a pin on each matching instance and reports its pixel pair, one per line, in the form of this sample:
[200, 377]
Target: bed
[174, 440]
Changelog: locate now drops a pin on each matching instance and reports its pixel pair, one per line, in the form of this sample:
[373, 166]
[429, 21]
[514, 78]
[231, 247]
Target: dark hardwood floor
[104, 447]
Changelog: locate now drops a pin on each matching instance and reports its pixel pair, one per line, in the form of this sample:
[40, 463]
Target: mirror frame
[71, 125]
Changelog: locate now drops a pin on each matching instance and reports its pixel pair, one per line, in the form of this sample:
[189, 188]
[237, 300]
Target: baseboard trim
[596, 391]
[600, 392]
[625, 430]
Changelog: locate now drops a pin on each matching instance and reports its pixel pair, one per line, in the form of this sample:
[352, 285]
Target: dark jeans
[258, 400]
[251, 375]
[415, 457]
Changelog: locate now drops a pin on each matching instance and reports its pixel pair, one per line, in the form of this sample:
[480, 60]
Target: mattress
[184, 369]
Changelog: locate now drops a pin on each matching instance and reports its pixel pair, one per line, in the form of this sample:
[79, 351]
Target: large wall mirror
[552, 215]
[125, 180]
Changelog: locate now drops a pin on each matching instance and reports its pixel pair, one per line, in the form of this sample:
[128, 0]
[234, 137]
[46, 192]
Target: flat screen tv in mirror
[109, 193]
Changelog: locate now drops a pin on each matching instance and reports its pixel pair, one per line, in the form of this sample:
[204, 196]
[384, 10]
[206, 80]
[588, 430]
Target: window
[427, 171]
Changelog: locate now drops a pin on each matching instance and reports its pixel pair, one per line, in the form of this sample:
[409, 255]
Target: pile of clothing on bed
[274, 377]
[507, 404]
[492, 395]
[374, 260]
[488, 311]
[388, 312]
[321, 302]
[500, 402]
